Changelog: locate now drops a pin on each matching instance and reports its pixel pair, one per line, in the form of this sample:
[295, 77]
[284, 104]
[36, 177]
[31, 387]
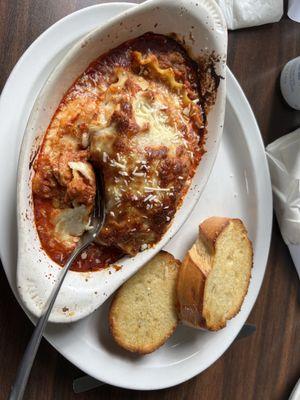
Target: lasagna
[138, 114]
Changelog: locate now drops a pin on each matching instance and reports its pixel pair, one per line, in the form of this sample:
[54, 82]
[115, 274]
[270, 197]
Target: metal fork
[97, 222]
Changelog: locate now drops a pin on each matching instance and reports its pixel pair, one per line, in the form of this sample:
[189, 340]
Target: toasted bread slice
[143, 312]
[215, 274]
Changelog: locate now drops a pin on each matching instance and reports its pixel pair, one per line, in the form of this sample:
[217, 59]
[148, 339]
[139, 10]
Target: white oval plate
[82, 293]
[239, 186]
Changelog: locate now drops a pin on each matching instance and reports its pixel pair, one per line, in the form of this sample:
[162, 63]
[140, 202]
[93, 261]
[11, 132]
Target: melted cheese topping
[138, 125]
[159, 131]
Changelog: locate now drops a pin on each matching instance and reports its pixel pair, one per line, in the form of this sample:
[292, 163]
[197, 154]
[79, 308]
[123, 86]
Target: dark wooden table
[262, 367]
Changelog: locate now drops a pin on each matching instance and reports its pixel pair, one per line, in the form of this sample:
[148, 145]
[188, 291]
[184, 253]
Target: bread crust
[190, 292]
[211, 228]
[194, 272]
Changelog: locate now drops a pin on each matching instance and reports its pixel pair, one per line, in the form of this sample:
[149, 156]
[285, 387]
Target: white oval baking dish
[197, 23]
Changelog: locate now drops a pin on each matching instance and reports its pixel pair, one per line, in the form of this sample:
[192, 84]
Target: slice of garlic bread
[215, 274]
[143, 315]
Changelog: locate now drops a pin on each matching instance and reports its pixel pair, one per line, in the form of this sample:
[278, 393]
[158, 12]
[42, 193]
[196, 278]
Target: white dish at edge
[82, 293]
[295, 395]
[238, 186]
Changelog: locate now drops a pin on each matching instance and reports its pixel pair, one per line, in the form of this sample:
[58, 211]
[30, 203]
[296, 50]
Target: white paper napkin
[246, 13]
[294, 10]
[284, 162]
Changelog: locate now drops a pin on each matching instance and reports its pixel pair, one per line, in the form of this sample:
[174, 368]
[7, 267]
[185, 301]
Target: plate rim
[263, 177]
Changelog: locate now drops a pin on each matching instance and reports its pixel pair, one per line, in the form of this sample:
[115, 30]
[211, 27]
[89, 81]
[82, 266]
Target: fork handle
[26, 363]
